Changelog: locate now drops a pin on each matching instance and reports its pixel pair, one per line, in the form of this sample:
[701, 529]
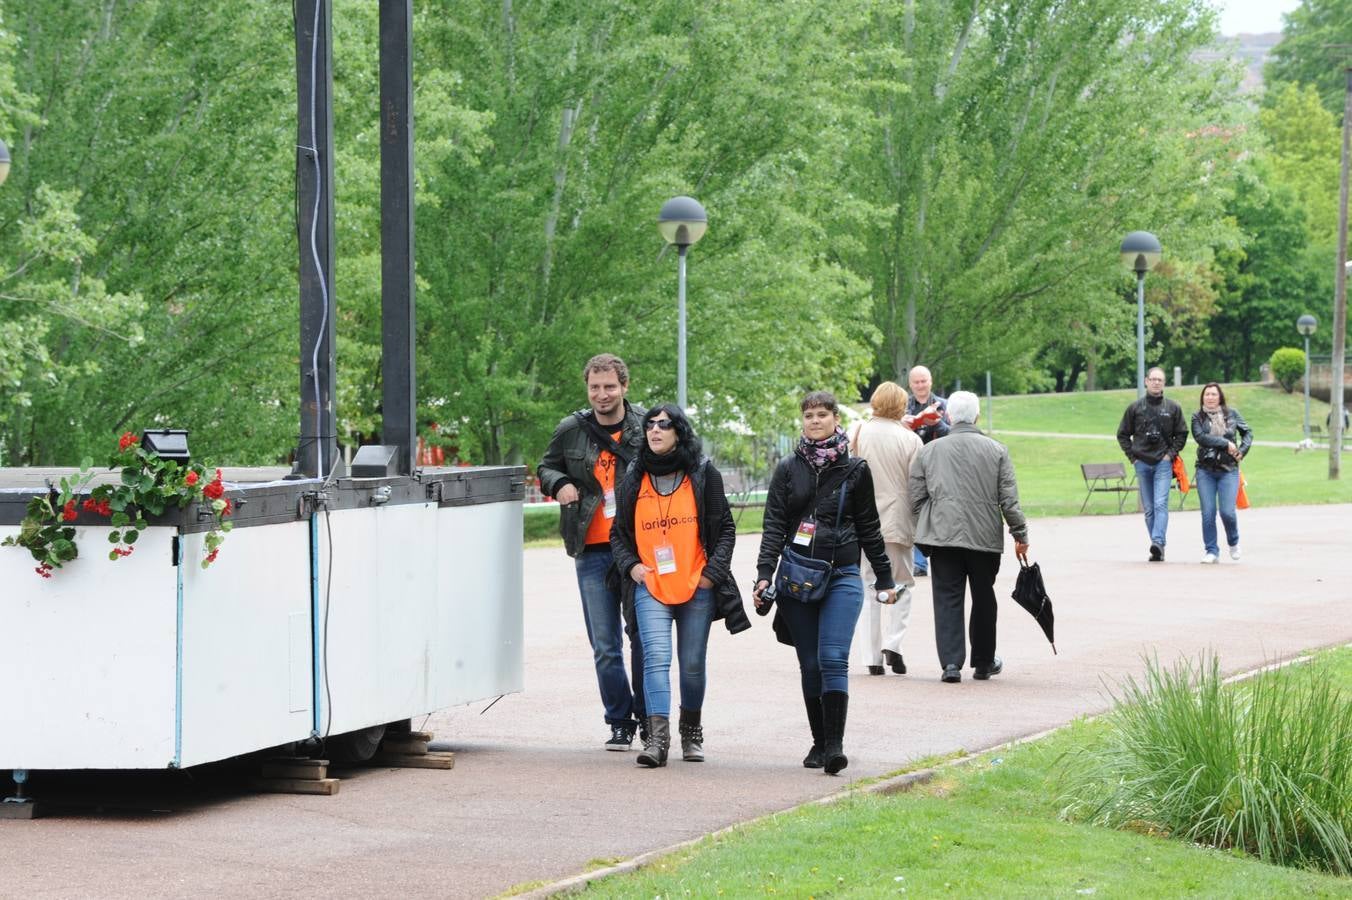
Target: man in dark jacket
[921, 411]
[586, 457]
[1153, 432]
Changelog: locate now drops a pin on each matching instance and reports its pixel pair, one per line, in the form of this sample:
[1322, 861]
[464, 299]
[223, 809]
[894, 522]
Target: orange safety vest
[669, 522]
[598, 531]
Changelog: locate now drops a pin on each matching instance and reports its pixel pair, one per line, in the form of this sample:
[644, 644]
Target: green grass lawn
[1050, 483]
[1273, 414]
[1048, 469]
[991, 828]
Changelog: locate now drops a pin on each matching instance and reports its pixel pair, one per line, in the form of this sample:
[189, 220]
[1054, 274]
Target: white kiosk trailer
[340, 603]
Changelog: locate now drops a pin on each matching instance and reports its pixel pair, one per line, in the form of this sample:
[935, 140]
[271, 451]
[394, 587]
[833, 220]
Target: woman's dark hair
[1201, 397]
[824, 399]
[687, 450]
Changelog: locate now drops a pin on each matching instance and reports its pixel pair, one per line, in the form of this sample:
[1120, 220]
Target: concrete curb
[894, 784]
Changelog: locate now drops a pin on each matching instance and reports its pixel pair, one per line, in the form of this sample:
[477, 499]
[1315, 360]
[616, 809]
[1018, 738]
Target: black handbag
[805, 578]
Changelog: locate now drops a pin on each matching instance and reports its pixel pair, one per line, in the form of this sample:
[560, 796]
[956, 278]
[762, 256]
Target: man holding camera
[587, 455]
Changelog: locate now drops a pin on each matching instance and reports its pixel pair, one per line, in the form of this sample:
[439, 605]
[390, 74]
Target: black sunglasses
[663, 424]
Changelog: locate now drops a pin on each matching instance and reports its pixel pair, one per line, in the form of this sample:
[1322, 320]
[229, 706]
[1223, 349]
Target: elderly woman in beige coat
[889, 446]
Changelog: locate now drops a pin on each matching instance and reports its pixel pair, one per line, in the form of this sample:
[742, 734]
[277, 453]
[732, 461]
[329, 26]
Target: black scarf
[664, 464]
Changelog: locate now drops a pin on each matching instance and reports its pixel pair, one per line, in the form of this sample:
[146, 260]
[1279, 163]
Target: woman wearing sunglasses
[806, 513]
[672, 541]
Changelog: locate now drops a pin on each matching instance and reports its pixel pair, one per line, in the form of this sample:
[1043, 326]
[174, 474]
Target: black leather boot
[654, 752]
[692, 736]
[813, 760]
[834, 706]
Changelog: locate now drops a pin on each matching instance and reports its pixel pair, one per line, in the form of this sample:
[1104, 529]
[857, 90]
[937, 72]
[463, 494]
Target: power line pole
[1340, 299]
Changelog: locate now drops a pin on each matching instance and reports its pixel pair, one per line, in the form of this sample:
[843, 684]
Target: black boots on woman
[834, 706]
[813, 760]
[655, 745]
[692, 736]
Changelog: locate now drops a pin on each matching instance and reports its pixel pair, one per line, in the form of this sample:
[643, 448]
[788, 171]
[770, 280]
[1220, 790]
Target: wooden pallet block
[402, 745]
[323, 786]
[296, 767]
[428, 759]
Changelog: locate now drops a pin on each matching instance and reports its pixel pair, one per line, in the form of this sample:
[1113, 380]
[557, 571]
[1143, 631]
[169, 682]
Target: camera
[767, 599]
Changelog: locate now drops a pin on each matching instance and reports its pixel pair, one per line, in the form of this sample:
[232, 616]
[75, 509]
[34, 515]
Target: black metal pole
[317, 455]
[398, 312]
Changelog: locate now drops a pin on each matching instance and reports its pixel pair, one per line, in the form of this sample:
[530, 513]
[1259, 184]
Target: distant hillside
[1252, 50]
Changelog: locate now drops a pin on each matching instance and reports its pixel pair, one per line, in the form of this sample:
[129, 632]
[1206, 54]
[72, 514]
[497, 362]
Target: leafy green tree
[1308, 52]
[172, 134]
[543, 249]
[1266, 283]
[1011, 164]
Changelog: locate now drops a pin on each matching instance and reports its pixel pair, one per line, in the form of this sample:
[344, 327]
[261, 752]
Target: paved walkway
[533, 796]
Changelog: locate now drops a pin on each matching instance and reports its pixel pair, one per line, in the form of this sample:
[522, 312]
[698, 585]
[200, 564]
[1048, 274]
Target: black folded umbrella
[1031, 594]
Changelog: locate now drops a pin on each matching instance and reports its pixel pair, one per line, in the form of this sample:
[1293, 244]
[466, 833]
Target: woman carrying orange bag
[1223, 438]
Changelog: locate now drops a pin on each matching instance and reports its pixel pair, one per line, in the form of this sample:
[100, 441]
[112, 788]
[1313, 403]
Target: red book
[927, 416]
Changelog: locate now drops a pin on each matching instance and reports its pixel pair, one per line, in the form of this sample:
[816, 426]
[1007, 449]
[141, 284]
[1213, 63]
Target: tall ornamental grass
[1264, 766]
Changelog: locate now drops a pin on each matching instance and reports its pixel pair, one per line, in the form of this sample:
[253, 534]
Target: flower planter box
[153, 662]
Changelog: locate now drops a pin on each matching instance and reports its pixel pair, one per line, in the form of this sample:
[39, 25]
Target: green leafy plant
[1264, 766]
[45, 530]
[147, 485]
[1288, 367]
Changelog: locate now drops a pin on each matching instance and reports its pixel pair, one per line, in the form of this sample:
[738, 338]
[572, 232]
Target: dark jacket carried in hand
[1152, 428]
[717, 535]
[792, 488]
[571, 459]
[1212, 449]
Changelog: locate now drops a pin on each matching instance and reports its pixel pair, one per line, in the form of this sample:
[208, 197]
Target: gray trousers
[952, 571]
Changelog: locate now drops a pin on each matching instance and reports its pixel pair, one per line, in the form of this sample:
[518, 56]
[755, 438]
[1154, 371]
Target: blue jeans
[1218, 488]
[921, 564]
[605, 630]
[692, 619]
[822, 632]
[1154, 481]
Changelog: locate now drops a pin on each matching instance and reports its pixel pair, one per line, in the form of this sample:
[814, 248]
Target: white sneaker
[1209, 559]
[1234, 552]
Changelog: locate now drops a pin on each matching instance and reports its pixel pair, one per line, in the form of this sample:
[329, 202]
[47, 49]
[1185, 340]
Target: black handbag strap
[840, 511]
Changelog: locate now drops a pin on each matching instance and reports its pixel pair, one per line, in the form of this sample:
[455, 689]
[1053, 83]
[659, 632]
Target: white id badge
[806, 529]
[609, 508]
[666, 559]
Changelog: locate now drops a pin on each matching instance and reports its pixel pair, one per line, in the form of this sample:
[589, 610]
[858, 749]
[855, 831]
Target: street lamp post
[4, 162]
[1140, 252]
[1306, 325]
[682, 222]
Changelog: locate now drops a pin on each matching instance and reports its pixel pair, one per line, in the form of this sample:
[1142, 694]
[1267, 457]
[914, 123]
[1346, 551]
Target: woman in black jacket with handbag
[1223, 438]
[805, 517]
[672, 542]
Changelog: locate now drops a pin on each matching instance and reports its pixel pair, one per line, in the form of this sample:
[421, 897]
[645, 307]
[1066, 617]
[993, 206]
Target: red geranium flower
[68, 511]
[191, 479]
[128, 438]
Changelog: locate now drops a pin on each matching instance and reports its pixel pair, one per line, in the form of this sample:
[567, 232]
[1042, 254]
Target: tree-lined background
[888, 182]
